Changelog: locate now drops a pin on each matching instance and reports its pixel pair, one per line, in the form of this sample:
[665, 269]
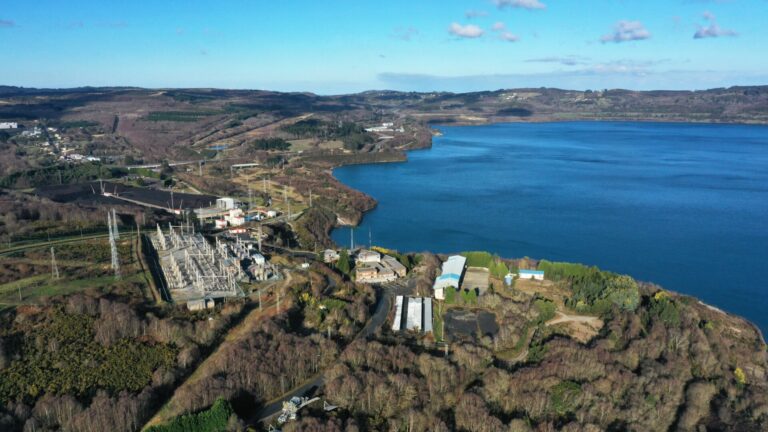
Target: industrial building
[531, 274]
[226, 203]
[372, 267]
[413, 313]
[193, 269]
[9, 125]
[453, 271]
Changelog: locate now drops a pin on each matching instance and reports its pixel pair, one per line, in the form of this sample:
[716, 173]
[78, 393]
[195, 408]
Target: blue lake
[681, 205]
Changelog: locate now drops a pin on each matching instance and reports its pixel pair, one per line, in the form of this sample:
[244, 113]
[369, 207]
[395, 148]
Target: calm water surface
[682, 205]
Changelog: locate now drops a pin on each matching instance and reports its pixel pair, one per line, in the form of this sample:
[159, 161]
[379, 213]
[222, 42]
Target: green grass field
[82, 265]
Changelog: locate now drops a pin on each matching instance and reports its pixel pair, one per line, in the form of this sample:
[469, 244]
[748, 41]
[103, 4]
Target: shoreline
[436, 132]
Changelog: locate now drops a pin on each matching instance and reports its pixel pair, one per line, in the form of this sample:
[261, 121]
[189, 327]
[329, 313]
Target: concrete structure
[330, 256]
[210, 213]
[509, 278]
[365, 256]
[225, 203]
[366, 273]
[531, 274]
[394, 264]
[413, 313]
[201, 304]
[453, 270]
[9, 125]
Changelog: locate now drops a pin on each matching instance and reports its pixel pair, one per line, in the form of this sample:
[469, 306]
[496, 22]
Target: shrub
[450, 295]
[213, 419]
[563, 397]
[270, 144]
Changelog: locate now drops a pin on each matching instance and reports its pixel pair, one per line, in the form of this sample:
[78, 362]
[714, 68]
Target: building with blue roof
[453, 271]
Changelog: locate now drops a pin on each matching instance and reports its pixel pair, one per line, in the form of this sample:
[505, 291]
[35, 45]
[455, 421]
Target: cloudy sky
[340, 46]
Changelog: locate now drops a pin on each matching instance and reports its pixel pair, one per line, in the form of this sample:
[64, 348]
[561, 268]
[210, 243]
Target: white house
[9, 125]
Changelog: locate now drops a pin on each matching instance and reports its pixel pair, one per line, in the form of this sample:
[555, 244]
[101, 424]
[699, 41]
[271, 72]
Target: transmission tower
[113, 247]
[54, 267]
[259, 238]
[114, 225]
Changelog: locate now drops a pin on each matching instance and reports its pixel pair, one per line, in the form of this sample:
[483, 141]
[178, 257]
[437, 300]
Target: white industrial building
[531, 274]
[9, 125]
[225, 203]
[453, 271]
[365, 256]
[413, 313]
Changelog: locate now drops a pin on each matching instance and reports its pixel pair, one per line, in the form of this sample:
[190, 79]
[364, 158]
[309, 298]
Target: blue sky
[340, 46]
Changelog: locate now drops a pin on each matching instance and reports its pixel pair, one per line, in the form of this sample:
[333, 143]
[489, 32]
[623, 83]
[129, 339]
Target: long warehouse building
[413, 313]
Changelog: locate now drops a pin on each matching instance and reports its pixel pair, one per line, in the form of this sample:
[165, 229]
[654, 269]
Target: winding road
[274, 407]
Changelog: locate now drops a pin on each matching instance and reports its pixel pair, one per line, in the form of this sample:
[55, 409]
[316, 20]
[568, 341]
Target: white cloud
[508, 36]
[625, 31]
[712, 30]
[470, 31]
[505, 35]
[522, 4]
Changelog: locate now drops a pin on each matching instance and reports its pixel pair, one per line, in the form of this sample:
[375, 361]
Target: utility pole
[310, 197]
[264, 185]
[278, 303]
[200, 168]
[261, 308]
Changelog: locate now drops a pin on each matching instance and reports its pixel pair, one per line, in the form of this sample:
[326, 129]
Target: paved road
[377, 319]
